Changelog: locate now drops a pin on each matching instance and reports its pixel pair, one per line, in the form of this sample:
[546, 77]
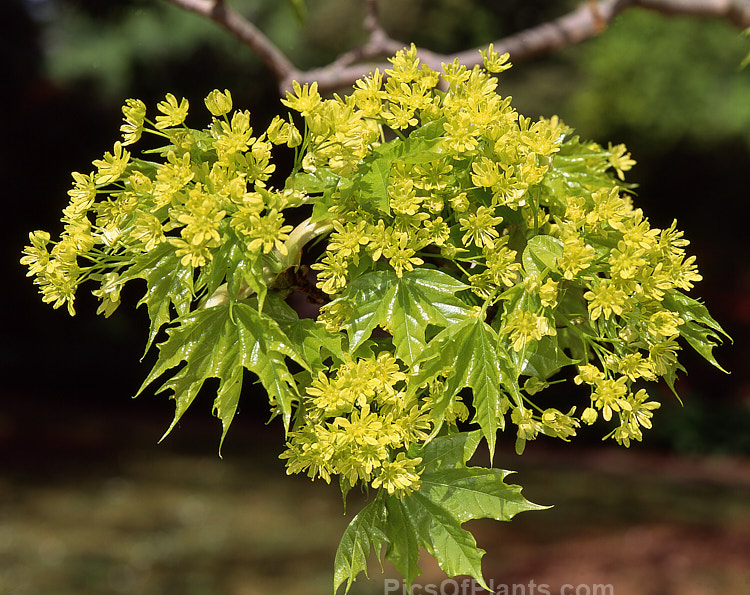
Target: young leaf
[700, 330]
[373, 185]
[403, 305]
[365, 532]
[218, 343]
[232, 264]
[541, 253]
[467, 492]
[450, 494]
[403, 549]
[469, 354]
[448, 452]
[454, 548]
[311, 338]
[167, 283]
[542, 358]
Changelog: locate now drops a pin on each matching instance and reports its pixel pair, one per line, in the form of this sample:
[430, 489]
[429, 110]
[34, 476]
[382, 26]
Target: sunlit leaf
[541, 253]
[218, 343]
[404, 306]
[365, 532]
[167, 284]
[468, 354]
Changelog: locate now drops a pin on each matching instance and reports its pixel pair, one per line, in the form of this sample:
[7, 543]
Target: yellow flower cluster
[209, 192]
[357, 425]
[475, 157]
[465, 178]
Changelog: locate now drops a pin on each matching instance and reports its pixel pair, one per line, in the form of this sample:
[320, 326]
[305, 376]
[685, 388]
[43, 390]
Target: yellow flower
[109, 294]
[399, 476]
[347, 240]
[620, 159]
[632, 365]
[235, 136]
[400, 255]
[610, 395]
[304, 99]
[112, 166]
[194, 255]
[36, 256]
[462, 135]
[589, 374]
[279, 132]
[134, 112]
[548, 293]
[523, 326]
[528, 427]
[494, 61]
[480, 228]
[174, 113]
[267, 232]
[559, 424]
[576, 256]
[605, 298]
[148, 229]
[333, 274]
[368, 95]
[399, 117]
[663, 324]
[485, 172]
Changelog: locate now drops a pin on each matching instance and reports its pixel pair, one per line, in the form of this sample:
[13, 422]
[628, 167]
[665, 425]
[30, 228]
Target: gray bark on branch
[589, 19]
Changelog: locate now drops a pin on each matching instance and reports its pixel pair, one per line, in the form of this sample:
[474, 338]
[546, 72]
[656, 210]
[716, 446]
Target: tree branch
[589, 19]
[244, 30]
[736, 11]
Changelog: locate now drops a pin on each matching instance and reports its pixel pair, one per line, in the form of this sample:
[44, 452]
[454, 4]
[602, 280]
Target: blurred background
[89, 503]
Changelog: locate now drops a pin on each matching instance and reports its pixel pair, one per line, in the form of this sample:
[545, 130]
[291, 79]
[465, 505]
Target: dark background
[671, 89]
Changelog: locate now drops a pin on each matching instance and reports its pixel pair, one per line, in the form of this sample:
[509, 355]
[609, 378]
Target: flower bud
[219, 103]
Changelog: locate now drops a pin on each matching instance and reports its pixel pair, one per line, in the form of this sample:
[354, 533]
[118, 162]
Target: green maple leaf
[371, 188]
[541, 254]
[450, 494]
[233, 264]
[314, 342]
[221, 342]
[405, 306]
[365, 532]
[168, 283]
[469, 354]
[700, 330]
[542, 358]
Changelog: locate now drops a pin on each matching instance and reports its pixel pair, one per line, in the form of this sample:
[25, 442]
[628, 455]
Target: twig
[244, 30]
[587, 20]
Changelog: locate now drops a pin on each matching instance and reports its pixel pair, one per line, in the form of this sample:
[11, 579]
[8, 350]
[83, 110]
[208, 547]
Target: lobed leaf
[365, 532]
[541, 254]
[220, 342]
[450, 494]
[167, 283]
[542, 358]
[469, 354]
[700, 330]
[405, 306]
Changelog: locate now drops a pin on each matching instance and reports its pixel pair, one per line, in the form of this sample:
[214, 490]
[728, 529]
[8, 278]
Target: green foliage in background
[667, 80]
[465, 259]
[111, 50]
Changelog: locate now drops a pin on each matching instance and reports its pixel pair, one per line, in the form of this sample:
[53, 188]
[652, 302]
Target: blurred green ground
[84, 509]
